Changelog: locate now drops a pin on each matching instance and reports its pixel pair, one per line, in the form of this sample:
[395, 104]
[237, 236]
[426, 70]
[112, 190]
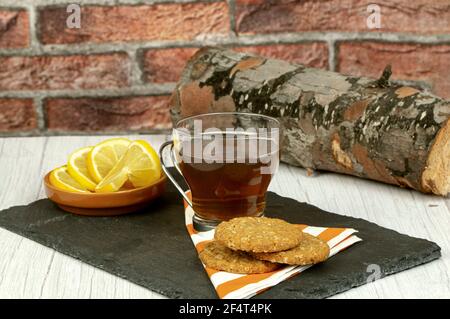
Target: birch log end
[352, 125]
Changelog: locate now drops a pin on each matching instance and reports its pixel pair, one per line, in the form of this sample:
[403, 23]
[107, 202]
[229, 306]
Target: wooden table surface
[30, 270]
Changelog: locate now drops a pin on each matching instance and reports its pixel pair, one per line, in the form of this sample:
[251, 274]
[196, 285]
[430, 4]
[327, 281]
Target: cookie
[312, 250]
[217, 256]
[258, 234]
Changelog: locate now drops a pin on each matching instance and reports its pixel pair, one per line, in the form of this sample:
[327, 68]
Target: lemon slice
[144, 166]
[104, 156]
[115, 179]
[77, 168]
[140, 165]
[61, 179]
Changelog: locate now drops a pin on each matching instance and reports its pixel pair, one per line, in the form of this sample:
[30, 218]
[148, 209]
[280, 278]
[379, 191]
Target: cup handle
[166, 170]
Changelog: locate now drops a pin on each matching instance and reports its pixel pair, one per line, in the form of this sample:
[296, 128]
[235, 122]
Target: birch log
[367, 128]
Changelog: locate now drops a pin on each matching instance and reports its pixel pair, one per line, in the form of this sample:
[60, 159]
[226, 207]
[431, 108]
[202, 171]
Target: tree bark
[353, 125]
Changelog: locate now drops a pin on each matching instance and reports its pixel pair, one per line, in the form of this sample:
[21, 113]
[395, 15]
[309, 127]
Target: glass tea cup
[227, 160]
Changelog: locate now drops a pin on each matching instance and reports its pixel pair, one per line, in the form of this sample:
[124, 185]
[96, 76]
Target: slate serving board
[152, 248]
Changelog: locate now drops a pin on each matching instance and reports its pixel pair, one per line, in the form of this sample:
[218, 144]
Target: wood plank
[20, 164]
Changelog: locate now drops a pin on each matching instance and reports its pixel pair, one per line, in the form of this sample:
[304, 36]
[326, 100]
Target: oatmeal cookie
[311, 250]
[258, 234]
[217, 256]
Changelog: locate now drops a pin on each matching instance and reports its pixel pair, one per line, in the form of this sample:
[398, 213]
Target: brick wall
[115, 73]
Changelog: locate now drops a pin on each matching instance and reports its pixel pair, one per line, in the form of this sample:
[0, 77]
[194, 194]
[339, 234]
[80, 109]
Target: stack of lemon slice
[109, 166]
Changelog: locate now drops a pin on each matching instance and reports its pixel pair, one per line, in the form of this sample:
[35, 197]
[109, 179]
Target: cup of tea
[227, 160]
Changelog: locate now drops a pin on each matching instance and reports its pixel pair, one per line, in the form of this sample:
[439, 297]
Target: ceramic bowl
[104, 204]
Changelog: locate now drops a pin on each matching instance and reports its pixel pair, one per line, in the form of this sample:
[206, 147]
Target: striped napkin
[239, 286]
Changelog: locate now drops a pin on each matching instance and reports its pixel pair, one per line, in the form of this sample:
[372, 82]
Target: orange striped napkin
[237, 286]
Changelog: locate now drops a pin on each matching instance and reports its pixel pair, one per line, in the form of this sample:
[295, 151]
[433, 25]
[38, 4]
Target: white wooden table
[30, 270]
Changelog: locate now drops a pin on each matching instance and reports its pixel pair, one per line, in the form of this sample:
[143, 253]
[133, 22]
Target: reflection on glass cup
[227, 160]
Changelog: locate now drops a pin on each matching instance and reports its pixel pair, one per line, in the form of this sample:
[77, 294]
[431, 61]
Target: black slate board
[152, 248]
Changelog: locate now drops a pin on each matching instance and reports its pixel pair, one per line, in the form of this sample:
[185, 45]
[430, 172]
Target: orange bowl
[104, 204]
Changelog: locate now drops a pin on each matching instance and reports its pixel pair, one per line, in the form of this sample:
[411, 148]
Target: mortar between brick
[282, 38]
[151, 89]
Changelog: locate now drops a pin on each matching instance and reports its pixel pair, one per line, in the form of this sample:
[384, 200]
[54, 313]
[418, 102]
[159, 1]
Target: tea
[221, 191]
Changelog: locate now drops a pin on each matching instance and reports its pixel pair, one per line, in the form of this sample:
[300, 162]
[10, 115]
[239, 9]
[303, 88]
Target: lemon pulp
[77, 168]
[104, 156]
[61, 179]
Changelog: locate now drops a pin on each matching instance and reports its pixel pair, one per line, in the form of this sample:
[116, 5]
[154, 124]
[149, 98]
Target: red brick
[311, 54]
[14, 29]
[136, 23]
[108, 114]
[64, 72]
[429, 63]
[165, 65]
[17, 115]
[266, 16]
